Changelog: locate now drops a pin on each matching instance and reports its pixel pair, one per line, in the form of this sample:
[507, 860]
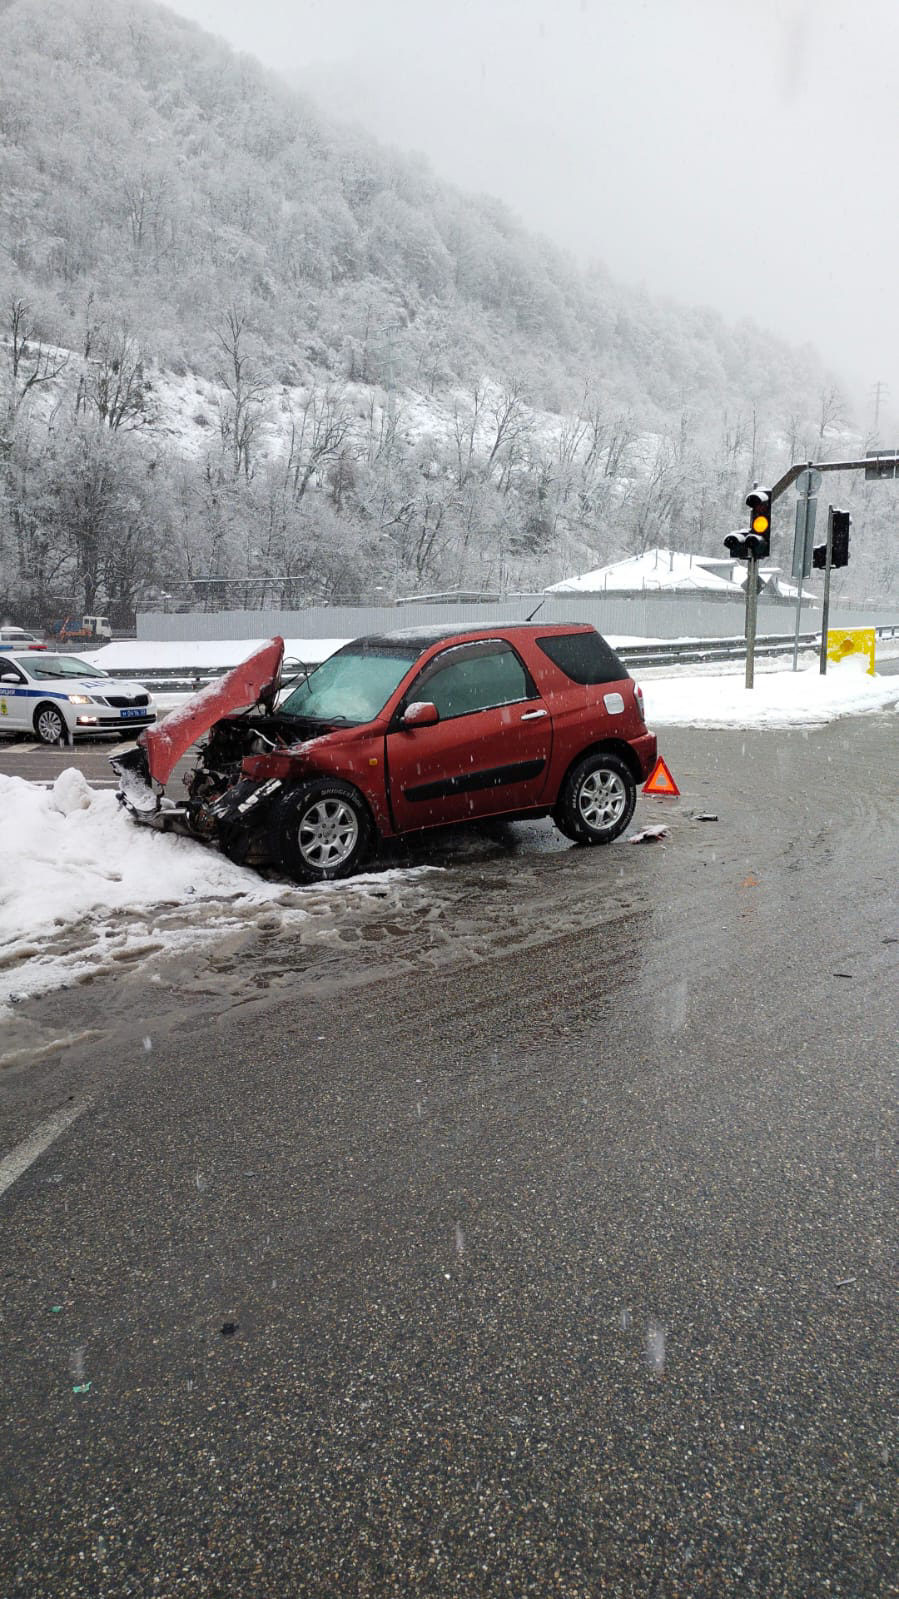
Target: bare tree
[240, 417]
[31, 363]
[509, 414]
[831, 412]
[318, 434]
[114, 382]
[466, 423]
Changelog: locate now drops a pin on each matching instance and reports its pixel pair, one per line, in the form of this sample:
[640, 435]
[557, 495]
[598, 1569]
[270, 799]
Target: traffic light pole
[752, 572]
[825, 606]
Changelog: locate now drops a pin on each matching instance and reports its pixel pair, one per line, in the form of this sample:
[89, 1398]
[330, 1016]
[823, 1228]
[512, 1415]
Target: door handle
[531, 716]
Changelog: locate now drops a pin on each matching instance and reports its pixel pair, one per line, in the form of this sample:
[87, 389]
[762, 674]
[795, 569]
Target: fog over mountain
[242, 345]
[736, 156]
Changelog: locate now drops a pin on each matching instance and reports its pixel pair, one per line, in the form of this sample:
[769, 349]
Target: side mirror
[10, 677]
[421, 713]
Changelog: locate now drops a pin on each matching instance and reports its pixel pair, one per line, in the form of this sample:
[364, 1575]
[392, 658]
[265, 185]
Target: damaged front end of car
[240, 768]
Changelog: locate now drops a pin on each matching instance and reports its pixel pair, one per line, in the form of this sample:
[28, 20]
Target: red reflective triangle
[660, 780]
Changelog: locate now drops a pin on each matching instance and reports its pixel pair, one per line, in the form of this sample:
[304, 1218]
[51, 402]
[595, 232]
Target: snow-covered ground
[780, 698]
[86, 890]
[128, 655]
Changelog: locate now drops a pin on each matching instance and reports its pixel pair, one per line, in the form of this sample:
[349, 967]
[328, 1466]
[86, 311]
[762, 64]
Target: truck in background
[80, 630]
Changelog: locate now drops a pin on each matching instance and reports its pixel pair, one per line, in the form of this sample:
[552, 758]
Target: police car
[59, 697]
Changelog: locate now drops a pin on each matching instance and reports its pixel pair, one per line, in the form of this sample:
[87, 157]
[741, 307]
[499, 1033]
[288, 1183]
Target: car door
[14, 704]
[488, 753]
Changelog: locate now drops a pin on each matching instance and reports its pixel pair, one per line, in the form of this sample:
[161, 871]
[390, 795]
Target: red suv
[397, 732]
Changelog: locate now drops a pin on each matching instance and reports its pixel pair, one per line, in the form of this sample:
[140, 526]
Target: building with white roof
[661, 571]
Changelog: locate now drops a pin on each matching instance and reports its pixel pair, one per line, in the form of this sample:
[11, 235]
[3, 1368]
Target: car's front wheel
[49, 725]
[596, 800]
[321, 830]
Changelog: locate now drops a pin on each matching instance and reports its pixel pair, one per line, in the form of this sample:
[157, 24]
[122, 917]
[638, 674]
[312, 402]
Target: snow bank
[84, 888]
[779, 698]
[139, 655]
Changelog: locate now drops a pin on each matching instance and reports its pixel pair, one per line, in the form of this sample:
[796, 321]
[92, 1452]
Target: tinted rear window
[584, 657]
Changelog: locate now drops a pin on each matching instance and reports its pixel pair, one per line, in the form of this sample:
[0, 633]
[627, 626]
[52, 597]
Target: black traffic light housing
[755, 542]
[758, 539]
[839, 549]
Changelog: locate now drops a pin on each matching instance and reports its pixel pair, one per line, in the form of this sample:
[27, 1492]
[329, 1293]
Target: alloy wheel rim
[328, 833]
[602, 798]
[50, 727]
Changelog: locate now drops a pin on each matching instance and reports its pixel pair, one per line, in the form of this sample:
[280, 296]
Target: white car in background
[59, 698]
[16, 638]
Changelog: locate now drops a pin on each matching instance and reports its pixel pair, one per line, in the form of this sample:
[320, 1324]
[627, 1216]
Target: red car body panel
[439, 774]
[239, 689]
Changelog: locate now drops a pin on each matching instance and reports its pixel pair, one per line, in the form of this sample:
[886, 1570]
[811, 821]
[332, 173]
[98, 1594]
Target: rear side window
[584, 657]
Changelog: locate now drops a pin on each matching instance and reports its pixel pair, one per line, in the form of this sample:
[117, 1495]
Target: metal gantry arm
[798, 467]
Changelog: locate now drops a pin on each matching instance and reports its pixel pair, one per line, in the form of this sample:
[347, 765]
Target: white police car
[59, 698]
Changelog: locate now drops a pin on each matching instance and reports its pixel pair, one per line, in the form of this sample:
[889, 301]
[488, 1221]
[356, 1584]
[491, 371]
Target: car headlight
[80, 699]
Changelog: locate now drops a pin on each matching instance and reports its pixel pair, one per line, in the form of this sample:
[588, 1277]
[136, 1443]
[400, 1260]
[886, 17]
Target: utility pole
[825, 607]
[752, 598]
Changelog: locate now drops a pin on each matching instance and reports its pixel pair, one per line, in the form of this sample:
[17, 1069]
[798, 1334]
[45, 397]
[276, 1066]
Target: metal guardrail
[187, 680]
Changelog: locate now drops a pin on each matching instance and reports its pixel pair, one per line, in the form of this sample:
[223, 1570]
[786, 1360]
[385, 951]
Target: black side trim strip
[466, 782]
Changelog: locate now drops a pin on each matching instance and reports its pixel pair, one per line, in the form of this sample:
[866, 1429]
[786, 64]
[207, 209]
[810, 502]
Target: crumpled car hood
[240, 689]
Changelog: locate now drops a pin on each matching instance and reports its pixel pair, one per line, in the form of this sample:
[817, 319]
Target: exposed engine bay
[224, 802]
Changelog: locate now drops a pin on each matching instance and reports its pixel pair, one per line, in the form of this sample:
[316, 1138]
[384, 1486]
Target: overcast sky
[733, 153]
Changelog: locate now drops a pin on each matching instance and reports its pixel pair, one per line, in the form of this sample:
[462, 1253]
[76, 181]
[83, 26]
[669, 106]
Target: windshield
[353, 685]
[44, 666]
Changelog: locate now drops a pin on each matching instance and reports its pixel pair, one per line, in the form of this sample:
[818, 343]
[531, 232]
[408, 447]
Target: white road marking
[25, 1154]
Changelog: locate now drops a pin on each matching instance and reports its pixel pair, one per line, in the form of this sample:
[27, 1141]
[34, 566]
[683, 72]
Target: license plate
[134, 710]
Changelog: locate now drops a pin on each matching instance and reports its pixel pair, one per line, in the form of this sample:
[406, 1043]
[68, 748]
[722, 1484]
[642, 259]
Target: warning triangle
[660, 780]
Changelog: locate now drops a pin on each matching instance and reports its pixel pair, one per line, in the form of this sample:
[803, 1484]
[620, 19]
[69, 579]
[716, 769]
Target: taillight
[638, 696]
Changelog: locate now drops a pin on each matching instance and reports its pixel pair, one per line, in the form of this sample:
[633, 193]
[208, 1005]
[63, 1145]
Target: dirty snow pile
[83, 888]
[778, 699]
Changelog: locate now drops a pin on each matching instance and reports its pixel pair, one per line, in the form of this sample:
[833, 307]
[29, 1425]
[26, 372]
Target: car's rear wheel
[596, 800]
[49, 725]
[321, 830]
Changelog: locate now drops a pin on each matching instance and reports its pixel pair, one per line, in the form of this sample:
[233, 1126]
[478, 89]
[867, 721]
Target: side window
[473, 677]
[584, 657]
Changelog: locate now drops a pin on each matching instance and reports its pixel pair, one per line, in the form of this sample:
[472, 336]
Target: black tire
[320, 831]
[235, 843]
[46, 719]
[596, 800]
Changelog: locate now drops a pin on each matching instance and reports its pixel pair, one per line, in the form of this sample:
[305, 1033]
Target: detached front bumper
[144, 802]
[238, 810]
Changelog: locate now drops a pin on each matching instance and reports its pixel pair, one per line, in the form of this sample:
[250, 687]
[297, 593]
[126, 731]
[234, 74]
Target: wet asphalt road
[553, 1211]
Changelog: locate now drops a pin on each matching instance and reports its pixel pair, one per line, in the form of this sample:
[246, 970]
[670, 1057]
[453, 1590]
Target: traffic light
[736, 543]
[754, 543]
[839, 548]
[839, 552]
[758, 540]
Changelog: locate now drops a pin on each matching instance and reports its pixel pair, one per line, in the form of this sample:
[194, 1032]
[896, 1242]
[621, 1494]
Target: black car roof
[434, 633]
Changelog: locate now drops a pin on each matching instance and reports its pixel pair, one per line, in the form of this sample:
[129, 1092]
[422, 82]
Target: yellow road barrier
[853, 641]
